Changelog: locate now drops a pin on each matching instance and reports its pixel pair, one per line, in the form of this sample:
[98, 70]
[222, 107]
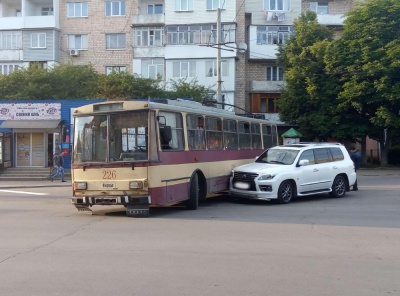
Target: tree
[74, 82]
[31, 83]
[366, 58]
[123, 85]
[60, 82]
[183, 88]
[309, 97]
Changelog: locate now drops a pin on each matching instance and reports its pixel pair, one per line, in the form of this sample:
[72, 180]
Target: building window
[274, 74]
[211, 68]
[183, 5]
[154, 9]
[268, 105]
[199, 34]
[149, 36]
[8, 69]
[276, 5]
[47, 11]
[270, 35]
[214, 4]
[115, 8]
[10, 40]
[153, 68]
[77, 9]
[115, 69]
[319, 7]
[116, 41]
[77, 41]
[184, 69]
[38, 40]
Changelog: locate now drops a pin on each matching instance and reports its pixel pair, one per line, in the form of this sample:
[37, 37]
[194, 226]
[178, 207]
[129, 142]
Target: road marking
[23, 192]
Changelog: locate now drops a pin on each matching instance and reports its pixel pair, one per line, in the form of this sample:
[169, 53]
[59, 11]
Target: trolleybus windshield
[111, 138]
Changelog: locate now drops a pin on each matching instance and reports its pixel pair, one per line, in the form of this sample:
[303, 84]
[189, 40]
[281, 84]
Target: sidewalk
[34, 184]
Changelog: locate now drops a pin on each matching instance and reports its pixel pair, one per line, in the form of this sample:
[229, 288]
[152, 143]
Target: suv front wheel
[338, 187]
[285, 192]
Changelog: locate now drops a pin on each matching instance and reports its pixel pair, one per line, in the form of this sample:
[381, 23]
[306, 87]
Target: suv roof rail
[319, 143]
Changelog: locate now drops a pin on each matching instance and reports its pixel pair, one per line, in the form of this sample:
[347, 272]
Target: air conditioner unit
[74, 52]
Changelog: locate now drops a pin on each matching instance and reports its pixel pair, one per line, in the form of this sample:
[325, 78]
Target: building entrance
[30, 150]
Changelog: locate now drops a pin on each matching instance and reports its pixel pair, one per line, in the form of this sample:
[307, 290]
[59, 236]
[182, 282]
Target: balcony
[11, 55]
[28, 22]
[331, 19]
[267, 86]
[148, 19]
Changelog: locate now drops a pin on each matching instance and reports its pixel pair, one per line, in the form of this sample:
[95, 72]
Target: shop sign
[30, 111]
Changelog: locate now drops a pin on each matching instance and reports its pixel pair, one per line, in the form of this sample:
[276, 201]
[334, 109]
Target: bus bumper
[136, 206]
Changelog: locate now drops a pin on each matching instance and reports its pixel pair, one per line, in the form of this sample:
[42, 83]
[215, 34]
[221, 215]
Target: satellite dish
[242, 47]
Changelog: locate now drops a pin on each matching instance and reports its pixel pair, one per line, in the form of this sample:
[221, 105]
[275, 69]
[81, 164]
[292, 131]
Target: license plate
[108, 185]
[242, 185]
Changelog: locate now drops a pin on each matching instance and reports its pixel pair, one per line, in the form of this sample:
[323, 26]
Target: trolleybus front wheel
[194, 192]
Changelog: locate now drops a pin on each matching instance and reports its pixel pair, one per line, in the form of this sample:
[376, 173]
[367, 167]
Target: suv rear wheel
[338, 187]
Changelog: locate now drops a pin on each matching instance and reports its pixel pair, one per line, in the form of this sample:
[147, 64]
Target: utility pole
[218, 64]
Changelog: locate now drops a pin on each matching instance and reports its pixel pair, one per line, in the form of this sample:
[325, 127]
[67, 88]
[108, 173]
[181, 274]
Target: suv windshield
[279, 156]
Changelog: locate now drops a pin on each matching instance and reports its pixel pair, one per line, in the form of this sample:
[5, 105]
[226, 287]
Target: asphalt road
[313, 246]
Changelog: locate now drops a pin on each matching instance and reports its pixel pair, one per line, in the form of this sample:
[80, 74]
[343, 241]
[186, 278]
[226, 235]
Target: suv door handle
[316, 170]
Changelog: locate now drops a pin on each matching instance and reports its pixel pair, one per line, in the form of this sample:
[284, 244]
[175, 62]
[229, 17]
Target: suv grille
[245, 178]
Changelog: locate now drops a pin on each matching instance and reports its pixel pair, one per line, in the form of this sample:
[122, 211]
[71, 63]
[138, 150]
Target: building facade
[29, 33]
[170, 39]
[31, 131]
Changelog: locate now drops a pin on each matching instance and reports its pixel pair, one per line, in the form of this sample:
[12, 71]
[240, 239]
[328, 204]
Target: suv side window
[308, 154]
[337, 154]
[322, 155]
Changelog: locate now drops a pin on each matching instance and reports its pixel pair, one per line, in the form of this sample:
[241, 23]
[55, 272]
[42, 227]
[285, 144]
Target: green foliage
[122, 85]
[183, 88]
[366, 58]
[83, 82]
[309, 96]
[74, 82]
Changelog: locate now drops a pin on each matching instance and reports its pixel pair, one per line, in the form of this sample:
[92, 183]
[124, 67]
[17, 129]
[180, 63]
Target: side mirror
[304, 162]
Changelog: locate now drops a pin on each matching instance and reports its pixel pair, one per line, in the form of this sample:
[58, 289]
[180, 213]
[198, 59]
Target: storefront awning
[51, 124]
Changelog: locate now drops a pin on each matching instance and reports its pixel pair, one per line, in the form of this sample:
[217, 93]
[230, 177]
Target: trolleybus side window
[244, 135]
[214, 133]
[230, 135]
[195, 132]
[267, 136]
[171, 130]
[256, 135]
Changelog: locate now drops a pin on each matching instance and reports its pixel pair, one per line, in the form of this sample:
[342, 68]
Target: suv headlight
[267, 177]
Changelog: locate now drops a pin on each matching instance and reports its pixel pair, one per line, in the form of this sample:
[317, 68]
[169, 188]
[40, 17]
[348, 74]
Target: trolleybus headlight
[135, 185]
[80, 185]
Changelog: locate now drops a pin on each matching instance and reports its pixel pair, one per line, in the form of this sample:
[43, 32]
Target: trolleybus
[137, 154]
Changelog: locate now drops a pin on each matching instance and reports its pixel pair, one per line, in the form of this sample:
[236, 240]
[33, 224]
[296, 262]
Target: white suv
[288, 171]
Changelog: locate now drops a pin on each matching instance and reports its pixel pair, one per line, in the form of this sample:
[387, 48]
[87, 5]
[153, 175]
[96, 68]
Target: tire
[285, 192]
[194, 192]
[338, 187]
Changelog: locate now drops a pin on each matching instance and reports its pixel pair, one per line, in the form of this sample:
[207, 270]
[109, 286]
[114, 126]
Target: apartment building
[97, 32]
[177, 39]
[29, 33]
[270, 23]
[171, 39]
